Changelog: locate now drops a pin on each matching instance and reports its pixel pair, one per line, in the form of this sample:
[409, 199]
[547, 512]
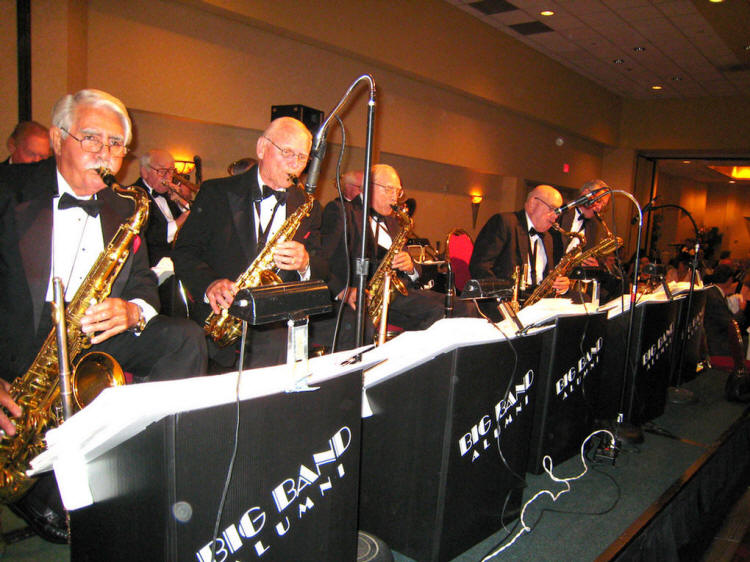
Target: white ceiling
[691, 48]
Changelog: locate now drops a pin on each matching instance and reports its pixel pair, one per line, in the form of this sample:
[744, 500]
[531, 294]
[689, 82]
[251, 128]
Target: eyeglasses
[390, 189]
[288, 153]
[550, 207]
[163, 172]
[90, 143]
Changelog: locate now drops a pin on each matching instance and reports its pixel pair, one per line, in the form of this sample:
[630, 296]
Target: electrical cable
[547, 464]
[235, 446]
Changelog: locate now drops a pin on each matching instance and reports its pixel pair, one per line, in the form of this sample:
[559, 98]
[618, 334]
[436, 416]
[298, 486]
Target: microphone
[316, 160]
[319, 143]
[588, 198]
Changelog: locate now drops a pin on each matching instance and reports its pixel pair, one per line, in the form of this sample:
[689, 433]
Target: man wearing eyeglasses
[165, 217]
[417, 310]
[521, 238]
[65, 218]
[231, 220]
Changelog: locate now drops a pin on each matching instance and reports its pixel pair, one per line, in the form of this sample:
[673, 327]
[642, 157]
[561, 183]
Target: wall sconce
[476, 200]
[184, 167]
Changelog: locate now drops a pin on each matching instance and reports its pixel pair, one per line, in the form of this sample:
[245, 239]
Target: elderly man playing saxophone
[63, 221]
[232, 218]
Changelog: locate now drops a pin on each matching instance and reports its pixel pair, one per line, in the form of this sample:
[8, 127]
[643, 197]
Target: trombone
[183, 197]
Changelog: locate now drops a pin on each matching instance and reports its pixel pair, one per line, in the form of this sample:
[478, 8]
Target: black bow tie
[534, 232]
[280, 194]
[377, 216]
[91, 206]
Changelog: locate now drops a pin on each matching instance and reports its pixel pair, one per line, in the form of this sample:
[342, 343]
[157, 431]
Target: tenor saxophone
[225, 328]
[375, 288]
[569, 261]
[37, 391]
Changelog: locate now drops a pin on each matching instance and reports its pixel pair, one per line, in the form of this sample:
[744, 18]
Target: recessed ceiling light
[639, 49]
[686, 161]
[619, 61]
[656, 87]
[676, 78]
[546, 13]
[716, 1]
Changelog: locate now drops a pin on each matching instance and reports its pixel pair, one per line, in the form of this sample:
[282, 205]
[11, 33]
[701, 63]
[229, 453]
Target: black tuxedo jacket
[25, 253]
[333, 241]
[592, 229]
[503, 243]
[218, 239]
[156, 228]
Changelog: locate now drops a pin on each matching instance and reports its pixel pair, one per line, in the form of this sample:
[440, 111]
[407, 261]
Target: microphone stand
[318, 151]
[623, 427]
[677, 394]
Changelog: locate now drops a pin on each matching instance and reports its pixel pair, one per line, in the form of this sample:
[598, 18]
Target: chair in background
[458, 249]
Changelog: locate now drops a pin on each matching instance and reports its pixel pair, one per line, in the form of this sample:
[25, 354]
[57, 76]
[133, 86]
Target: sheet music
[119, 413]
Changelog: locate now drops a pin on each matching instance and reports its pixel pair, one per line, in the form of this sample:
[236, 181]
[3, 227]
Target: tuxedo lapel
[239, 201]
[35, 248]
[522, 236]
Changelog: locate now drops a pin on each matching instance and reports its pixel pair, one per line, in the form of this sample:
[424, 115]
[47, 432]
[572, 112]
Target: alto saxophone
[37, 391]
[375, 288]
[224, 328]
[569, 261]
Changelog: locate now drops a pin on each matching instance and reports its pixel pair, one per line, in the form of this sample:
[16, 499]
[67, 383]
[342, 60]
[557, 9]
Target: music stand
[294, 302]
[491, 288]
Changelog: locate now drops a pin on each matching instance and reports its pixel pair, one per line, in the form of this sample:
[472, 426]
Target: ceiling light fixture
[676, 78]
[619, 61]
[546, 13]
[686, 161]
[639, 49]
[656, 87]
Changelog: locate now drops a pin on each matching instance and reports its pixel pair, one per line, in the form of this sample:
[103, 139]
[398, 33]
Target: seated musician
[232, 218]
[419, 308]
[521, 238]
[165, 218]
[587, 220]
[63, 221]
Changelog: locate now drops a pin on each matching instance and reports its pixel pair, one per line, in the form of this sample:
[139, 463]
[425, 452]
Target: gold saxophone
[224, 328]
[38, 390]
[376, 285]
[570, 260]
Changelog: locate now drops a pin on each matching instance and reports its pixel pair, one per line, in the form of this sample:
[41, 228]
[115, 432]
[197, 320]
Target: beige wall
[460, 110]
[9, 83]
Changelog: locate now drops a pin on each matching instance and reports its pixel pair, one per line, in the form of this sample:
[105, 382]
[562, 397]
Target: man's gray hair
[593, 185]
[65, 108]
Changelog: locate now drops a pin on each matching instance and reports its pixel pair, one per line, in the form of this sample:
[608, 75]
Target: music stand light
[293, 302]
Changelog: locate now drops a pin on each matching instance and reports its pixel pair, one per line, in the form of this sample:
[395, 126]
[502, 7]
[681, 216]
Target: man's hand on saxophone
[403, 262]
[561, 285]
[220, 294]
[110, 317]
[7, 426]
[291, 256]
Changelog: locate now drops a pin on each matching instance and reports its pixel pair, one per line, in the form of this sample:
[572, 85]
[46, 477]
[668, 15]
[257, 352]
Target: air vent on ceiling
[530, 28]
[489, 7]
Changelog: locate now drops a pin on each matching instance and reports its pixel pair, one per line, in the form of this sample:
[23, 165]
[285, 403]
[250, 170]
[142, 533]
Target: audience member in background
[723, 304]
[29, 142]
[681, 273]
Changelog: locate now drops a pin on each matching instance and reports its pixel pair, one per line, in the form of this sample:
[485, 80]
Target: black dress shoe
[42, 519]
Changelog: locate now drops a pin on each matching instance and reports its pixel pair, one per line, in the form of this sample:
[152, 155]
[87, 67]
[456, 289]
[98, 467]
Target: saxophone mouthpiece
[107, 176]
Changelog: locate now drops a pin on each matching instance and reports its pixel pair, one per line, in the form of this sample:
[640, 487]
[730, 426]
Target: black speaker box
[312, 118]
